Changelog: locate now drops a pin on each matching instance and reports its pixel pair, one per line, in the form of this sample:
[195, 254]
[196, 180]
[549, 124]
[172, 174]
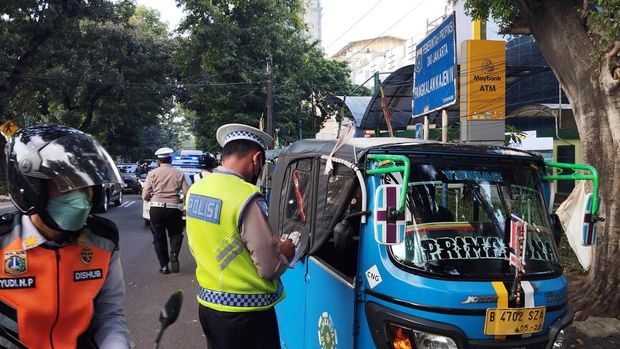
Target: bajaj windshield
[459, 220]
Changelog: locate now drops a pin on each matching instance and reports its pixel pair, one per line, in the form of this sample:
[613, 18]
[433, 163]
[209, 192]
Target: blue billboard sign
[434, 78]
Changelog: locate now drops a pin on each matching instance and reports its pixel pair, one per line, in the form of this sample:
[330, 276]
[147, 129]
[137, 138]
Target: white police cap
[233, 132]
[164, 152]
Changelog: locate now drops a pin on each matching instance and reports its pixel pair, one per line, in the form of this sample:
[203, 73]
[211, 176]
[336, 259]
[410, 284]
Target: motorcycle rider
[207, 163]
[62, 281]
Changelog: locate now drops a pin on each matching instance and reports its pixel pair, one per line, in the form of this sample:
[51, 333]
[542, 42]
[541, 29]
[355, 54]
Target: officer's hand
[287, 248]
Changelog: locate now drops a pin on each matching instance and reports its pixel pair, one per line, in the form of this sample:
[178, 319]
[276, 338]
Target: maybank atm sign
[483, 80]
[434, 77]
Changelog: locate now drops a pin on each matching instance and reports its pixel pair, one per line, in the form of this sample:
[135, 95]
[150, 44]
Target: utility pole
[299, 122]
[313, 112]
[269, 124]
[386, 112]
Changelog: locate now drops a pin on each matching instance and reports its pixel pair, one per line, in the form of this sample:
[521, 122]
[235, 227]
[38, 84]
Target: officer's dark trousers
[166, 219]
[250, 330]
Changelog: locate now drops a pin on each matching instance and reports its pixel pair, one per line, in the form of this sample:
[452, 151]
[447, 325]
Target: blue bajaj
[420, 245]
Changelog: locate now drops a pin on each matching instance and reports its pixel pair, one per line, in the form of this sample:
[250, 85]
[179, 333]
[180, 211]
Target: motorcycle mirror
[170, 313]
[171, 310]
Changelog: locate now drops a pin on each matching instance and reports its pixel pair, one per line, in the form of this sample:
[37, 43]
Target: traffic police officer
[61, 283]
[162, 187]
[239, 260]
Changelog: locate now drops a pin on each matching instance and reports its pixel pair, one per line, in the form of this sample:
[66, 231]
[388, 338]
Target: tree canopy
[225, 45]
[103, 67]
[115, 70]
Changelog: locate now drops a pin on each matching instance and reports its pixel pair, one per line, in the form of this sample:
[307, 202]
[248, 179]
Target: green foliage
[111, 68]
[514, 135]
[223, 55]
[502, 11]
[107, 69]
[603, 23]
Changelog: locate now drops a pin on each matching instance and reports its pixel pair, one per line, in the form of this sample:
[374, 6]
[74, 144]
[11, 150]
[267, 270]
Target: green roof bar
[405, 168]
[593, 176]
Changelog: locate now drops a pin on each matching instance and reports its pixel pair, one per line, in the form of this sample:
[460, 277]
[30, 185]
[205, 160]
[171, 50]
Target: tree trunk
[91, 104]
[595, 97]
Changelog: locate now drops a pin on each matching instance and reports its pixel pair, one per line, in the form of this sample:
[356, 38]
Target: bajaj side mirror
[589, 224]
[390, 224]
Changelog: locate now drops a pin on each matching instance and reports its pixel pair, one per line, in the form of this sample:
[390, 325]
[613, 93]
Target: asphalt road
[147, 289]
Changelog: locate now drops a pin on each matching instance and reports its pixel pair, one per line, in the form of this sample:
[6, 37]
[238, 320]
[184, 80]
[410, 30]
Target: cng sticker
[373, 276]
[328, 339]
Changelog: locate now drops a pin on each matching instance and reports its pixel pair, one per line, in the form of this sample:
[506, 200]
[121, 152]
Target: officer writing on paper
[162, 187]
[61, 284]
[239, 260]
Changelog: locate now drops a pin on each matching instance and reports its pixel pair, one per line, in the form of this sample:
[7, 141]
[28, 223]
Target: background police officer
[62, 283]
[207, 163]
[239, 260]
[162, 187]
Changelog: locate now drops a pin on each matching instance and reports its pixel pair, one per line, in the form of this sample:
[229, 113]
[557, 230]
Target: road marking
[128, 203]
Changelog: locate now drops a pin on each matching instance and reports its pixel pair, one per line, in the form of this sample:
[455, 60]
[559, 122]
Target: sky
[350, 20]
[400, 18]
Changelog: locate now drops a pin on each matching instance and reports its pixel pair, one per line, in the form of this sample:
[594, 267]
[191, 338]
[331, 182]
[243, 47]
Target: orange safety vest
[47, 293]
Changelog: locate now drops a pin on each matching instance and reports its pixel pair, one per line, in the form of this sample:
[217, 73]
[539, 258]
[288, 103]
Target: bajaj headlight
[401, 337]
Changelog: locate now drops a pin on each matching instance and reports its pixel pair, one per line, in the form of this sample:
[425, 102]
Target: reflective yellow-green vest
[228, 279]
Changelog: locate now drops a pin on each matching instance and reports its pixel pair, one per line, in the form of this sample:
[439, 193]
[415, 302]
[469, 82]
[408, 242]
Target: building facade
[313, 17]
[365, 57]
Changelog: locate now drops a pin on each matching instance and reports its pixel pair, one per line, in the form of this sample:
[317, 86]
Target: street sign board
[483, 91]
[434, 85]
[8, 128]
[483, 80]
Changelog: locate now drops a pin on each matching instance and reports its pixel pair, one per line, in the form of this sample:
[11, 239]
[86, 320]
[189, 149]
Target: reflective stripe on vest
[229, 252]
[239, 300]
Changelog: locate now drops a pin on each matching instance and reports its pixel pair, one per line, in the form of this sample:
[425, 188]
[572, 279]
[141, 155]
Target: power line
[354, 24]
[392, 26]
[137, 85]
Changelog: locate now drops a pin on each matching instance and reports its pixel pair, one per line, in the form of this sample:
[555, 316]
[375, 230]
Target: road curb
[595, 333]
[598, 326]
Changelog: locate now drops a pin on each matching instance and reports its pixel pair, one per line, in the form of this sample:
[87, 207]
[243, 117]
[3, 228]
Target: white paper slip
[294, 236]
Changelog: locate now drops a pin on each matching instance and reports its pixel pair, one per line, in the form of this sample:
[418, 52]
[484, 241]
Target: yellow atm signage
[483, 80]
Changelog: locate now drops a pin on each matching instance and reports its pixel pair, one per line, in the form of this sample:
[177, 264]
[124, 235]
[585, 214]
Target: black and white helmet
[69, 157]
[208, 161]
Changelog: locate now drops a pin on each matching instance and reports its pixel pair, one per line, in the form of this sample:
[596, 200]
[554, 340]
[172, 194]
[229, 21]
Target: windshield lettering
[468, 247]
[475, 176]
[459, 213]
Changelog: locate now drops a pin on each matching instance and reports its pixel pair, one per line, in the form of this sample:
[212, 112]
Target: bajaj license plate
[509, 321]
